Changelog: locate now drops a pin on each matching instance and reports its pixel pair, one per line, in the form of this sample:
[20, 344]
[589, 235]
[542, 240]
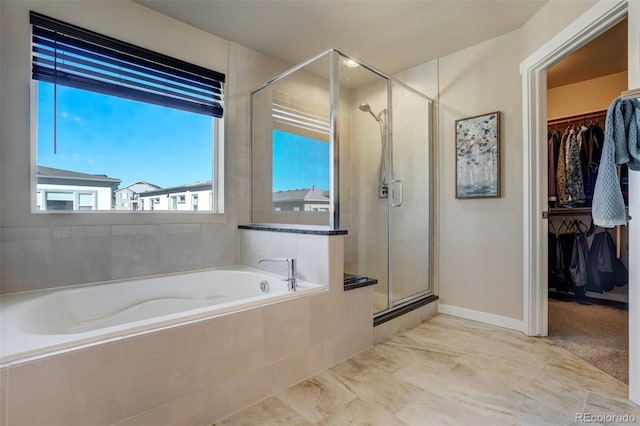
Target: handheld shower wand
[366, 108]
[386, 169]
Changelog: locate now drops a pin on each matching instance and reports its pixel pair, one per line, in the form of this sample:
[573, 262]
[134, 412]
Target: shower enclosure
[337, 144]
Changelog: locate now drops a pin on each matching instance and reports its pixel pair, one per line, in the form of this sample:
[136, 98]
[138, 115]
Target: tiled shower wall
[50, 250]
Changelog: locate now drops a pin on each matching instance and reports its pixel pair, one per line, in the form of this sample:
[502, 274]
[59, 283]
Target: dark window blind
[72, 56]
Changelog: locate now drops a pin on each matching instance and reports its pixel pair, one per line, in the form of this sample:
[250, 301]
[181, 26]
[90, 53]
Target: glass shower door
[409, 195]
[364, 211]
[385, 131]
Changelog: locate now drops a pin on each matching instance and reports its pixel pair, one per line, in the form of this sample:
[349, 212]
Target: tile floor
[449, 371]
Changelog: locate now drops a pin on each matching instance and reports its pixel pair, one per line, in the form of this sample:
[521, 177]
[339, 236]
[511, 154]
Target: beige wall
[585, 96]
[42, 251]
[480, 258]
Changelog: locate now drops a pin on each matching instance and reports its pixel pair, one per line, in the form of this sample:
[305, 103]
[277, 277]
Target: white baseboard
[487, 318]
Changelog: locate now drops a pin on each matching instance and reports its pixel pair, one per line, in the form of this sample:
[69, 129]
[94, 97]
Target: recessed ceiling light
[350, 63]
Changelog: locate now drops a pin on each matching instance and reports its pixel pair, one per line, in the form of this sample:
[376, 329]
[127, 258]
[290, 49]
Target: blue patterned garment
[621, 145]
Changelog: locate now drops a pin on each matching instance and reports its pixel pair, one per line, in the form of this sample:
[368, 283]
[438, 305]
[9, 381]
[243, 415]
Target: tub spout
[292, 273]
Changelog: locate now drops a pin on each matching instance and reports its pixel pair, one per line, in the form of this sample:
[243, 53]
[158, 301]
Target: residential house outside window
[108, 108]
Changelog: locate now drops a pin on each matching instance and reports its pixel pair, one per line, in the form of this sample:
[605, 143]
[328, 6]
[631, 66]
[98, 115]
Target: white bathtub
[46, 321]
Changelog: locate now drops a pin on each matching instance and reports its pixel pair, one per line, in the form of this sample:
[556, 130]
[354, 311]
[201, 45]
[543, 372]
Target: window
[112, 115]
[59, 201]
[55, 200]
[86, 201]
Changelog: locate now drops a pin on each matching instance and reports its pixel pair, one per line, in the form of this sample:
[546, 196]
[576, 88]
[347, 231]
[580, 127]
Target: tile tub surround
[35, 258]
[39, 323]
[201, 372]
[449, 371]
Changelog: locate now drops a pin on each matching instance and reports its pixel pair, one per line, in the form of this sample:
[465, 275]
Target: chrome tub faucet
[292, 273]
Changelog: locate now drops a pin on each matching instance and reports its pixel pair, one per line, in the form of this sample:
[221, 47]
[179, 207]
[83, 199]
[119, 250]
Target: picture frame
[478, 156]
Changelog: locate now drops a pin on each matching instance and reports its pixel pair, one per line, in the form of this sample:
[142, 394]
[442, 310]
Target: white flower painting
[477, 156]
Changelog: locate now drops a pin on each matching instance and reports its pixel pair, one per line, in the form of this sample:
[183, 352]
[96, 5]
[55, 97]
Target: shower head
[366, 108]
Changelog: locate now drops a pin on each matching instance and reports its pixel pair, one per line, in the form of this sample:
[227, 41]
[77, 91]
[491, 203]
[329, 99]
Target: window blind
[72, 56]
[300, 117]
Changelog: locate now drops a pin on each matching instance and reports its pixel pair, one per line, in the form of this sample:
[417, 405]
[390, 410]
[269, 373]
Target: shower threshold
[396, 311]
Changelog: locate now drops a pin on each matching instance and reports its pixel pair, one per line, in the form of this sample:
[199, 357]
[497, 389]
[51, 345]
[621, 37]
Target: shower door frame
[392, 303]
[334, 167]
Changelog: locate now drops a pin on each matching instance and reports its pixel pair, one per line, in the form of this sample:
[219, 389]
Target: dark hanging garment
[579, 258]
[565, 243]
[624, 183]
[583, 142]
[556, 274]
[553, 152]
[601, 263]
[620, 273]
[594, 151]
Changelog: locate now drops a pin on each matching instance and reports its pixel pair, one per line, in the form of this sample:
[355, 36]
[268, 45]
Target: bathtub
[39, 323]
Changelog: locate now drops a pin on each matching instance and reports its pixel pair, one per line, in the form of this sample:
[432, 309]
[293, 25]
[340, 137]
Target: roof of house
[142, 184]
[305, 194]
[192, 187]
[52, 173]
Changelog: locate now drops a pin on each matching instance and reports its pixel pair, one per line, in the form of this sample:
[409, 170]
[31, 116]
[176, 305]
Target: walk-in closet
[588, 265]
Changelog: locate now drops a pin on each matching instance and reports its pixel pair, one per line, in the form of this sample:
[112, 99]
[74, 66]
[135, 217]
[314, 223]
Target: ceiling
[606, 54]
[391, 35]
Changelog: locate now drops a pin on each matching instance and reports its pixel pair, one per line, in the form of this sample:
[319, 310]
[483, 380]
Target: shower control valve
[383, 190]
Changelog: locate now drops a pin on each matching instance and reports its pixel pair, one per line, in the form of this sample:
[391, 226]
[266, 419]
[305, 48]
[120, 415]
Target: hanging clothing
[575, 184]
[579, 257]
[621, 145]
[561, 173]
[554, 148]
[594, 150]
[556, 272]
[565, 243]
[600, 263]
[573, 164]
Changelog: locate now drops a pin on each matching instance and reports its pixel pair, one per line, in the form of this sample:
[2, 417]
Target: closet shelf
[575, 211]
[577, 117]
[566, 211]
[630, 94]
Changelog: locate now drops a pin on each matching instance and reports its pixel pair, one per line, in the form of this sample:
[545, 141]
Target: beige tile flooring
[449, 371]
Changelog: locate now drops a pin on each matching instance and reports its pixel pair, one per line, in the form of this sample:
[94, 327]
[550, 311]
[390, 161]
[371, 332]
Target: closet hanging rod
[577, 117]
[630, 94]
[576, 211]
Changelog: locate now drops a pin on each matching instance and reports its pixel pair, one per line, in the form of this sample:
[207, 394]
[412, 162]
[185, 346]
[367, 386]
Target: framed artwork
[478, 156]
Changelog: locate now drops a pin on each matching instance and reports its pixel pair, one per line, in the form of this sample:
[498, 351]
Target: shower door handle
[393, 192]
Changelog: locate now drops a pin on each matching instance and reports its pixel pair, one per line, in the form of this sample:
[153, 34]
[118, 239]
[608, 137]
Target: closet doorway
[587, 265]
[601, 17]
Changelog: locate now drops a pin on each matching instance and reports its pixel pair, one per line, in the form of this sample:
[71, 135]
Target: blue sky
[299, 162]
[134, 141]
[127, 140]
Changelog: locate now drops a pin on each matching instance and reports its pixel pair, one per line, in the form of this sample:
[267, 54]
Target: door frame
[602, 16]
